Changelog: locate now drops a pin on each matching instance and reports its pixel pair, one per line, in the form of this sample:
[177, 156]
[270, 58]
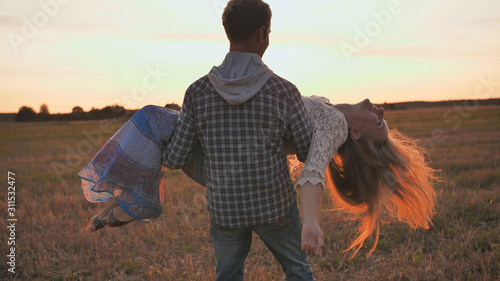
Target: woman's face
[369, 119]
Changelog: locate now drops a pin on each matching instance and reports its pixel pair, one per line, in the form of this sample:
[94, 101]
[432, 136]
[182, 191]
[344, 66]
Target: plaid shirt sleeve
[179, 149]
[300, 127]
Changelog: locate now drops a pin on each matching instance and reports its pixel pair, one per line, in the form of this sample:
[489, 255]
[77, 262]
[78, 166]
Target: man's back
[246, 173]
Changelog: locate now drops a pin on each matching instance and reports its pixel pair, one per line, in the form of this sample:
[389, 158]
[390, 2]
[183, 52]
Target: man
[242, 114]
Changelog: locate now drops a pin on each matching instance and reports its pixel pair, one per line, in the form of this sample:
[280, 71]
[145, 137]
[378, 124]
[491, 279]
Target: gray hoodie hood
[239, 77]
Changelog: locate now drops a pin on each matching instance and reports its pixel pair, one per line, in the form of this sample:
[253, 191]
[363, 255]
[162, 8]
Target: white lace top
[329, 133]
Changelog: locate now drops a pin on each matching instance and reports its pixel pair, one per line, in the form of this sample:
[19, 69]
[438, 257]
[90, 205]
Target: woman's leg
[103, 216]
[120, 215]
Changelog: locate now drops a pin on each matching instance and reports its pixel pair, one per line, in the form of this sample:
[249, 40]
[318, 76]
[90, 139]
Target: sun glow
[93, 54]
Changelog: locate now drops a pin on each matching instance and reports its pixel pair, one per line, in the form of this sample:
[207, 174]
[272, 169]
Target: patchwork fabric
[129, 166]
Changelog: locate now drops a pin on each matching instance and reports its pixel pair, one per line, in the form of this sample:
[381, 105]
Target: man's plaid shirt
[246, 172]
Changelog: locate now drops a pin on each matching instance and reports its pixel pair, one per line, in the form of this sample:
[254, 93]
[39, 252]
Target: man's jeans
[283, 238]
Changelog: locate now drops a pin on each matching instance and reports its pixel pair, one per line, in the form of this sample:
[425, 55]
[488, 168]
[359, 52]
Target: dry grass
[463, 243]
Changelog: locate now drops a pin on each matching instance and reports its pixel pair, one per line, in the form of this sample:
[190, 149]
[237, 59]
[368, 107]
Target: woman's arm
[312, 235]
[330, 131]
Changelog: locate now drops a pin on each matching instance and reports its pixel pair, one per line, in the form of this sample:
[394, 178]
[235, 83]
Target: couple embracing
[233, 134]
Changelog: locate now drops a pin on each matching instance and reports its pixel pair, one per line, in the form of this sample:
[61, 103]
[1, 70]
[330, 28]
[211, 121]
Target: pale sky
[95, 53]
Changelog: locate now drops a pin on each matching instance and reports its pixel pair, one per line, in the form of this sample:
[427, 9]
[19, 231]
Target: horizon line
[377, 103]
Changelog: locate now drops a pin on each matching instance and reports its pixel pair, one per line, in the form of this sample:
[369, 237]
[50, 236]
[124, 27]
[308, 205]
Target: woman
[369, 170]
[374, 170]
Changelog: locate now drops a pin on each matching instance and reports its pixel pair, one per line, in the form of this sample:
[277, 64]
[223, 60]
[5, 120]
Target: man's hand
[312, 239]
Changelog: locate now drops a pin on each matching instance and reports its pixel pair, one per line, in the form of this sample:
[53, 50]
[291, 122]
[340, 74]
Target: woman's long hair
[368, 178]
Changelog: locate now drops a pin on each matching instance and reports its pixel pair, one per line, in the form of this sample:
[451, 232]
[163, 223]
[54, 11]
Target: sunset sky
[96, 53]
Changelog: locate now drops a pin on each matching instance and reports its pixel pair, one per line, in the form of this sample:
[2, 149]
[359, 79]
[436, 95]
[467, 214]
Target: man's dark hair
[241, 18]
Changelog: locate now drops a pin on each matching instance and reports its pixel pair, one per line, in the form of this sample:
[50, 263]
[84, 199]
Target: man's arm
[179, 149]
[289, 148]
[300, 126]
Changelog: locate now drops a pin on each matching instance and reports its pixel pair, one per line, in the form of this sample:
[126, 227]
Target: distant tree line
[27, 114]
[448, 103]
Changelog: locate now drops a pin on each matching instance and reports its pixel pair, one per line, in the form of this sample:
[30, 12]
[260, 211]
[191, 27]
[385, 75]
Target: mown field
[52, 244]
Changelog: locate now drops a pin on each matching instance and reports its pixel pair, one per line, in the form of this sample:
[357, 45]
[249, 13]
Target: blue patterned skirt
[129, 166]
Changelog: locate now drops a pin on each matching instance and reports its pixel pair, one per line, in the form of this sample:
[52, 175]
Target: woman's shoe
[97, 222]
[113, 222]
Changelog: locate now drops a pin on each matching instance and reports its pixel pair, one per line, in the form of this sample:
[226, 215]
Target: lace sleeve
[329, 133]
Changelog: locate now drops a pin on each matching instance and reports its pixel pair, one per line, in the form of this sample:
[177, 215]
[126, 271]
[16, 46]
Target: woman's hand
[312, 235]
[312, 239]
